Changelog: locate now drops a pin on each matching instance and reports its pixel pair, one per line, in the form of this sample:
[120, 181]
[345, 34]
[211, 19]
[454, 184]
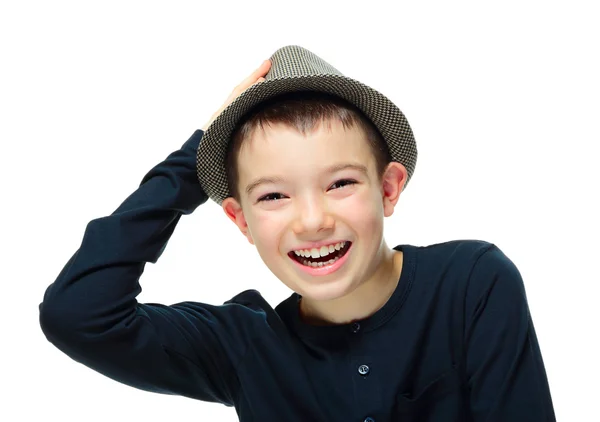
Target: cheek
[364, 215]
[266, 229]
[364, 211]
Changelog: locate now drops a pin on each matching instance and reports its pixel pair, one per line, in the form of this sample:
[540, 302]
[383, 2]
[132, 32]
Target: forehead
[280, 149]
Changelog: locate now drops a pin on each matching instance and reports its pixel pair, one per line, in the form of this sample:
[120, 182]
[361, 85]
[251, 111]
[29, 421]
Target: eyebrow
[332, 169]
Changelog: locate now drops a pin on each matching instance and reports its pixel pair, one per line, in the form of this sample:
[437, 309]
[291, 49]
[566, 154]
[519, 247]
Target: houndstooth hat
[294, 68]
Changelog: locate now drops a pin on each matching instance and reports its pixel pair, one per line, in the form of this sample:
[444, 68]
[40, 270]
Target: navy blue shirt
[455, 341]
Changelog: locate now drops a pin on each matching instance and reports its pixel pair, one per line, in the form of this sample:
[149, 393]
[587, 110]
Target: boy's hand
[255, 77]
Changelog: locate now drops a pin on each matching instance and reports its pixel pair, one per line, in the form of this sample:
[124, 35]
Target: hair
[303, 111]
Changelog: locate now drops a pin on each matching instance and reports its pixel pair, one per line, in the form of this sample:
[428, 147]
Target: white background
[503, 99]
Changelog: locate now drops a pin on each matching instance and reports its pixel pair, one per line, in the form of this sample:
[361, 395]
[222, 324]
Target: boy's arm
[91, 313]
[505, 371]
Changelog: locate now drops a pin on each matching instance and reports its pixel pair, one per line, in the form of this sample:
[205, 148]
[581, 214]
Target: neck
[363, 301]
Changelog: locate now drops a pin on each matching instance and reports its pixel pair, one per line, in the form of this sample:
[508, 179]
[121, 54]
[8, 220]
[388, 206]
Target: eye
[342, 183]
[274, 196]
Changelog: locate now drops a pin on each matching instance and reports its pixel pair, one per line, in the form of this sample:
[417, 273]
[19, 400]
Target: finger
[262, 69]
[259, 72]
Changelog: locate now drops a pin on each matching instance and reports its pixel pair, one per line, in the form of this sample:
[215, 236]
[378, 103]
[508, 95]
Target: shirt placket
[364, 371]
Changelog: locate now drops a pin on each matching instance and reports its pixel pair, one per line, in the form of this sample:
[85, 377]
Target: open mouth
[320, 261]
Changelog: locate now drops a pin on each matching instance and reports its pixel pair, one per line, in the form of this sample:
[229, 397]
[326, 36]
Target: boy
[306, 163]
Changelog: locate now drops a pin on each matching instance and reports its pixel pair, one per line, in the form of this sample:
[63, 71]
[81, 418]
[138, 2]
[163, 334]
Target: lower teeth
[318, 264]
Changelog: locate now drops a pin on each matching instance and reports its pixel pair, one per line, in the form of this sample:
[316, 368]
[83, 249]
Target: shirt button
[369, 419]
[355, 327]
[363, 369]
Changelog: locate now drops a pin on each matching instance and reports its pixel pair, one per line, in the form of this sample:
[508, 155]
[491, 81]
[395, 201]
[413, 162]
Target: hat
[294, 68]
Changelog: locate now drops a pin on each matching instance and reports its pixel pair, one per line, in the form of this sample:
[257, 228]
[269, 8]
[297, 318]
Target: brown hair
[302, 111]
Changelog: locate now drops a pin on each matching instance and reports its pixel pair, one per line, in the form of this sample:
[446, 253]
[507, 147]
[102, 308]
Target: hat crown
[296, 61]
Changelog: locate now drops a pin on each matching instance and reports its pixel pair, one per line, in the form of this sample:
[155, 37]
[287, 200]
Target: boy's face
[301, 201]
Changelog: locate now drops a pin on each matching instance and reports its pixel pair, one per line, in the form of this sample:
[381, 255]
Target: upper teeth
[322, 251]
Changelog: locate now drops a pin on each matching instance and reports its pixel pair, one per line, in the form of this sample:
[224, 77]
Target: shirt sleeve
[91, 313]
[504, 368]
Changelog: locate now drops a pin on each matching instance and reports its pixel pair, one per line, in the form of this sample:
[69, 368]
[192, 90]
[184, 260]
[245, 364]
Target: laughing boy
[307, 163]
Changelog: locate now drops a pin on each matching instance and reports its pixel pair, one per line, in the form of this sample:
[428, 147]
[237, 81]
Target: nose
[312, 216]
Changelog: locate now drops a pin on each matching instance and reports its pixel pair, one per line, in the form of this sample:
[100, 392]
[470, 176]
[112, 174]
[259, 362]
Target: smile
[321, 258]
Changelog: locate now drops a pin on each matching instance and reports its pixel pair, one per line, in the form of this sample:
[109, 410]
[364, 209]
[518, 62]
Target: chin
[324, 291]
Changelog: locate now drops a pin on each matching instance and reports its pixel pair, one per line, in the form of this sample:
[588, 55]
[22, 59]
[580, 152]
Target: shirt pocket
[442, 395]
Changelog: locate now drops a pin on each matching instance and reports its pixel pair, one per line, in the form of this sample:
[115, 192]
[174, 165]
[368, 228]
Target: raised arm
[91, 313]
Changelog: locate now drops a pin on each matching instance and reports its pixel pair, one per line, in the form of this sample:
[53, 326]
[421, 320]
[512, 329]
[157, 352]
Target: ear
[393, 181]
[234, 211]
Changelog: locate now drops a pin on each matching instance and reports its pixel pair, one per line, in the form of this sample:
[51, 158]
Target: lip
[317, 245]
[325, 270]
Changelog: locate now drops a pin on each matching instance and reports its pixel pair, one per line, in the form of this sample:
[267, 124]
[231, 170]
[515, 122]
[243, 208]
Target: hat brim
[385, 115]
